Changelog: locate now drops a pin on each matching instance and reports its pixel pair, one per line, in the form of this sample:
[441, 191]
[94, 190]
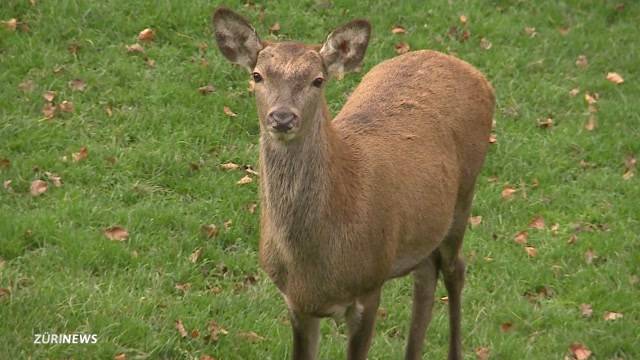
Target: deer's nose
[281, 120]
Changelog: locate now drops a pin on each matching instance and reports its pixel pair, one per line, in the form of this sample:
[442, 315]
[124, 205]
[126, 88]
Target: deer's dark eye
[256, 77]
[317, 82]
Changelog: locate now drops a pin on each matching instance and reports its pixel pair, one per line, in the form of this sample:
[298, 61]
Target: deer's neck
[306, 183]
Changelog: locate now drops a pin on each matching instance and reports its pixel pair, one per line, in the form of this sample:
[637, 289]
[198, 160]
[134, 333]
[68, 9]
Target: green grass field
[155, 144]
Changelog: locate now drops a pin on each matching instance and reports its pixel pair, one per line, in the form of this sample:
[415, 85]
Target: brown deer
[382, 190]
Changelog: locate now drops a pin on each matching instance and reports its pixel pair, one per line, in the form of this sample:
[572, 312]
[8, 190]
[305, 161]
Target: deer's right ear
[236, 38]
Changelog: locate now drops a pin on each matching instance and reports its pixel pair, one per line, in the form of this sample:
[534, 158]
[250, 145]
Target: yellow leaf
[615, 78]
[147, 35]
[245, 180]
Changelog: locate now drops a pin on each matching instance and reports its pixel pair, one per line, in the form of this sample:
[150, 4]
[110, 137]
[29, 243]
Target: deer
[382, 190]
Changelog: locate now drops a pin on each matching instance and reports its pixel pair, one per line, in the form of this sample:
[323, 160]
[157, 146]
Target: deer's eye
[256, 77]
[317, 82]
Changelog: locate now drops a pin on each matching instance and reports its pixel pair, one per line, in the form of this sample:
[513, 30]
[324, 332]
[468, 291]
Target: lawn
[134, 140]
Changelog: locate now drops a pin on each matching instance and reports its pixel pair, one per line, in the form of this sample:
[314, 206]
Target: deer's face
[288, 79]
[289, 76]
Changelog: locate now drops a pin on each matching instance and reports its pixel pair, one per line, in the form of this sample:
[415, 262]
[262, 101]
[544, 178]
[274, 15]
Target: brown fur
[381, 190]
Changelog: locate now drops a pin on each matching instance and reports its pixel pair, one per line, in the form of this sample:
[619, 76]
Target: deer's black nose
[281, 121]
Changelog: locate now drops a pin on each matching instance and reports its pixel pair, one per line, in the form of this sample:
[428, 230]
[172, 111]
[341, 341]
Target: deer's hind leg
[425, 278]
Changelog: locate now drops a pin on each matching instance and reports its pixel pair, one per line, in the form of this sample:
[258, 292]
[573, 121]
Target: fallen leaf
[27, 86]
[590, 256]
[610, 315]
[181, 330]
[586, 310]
[485, 44]
[251, 208]
[444, 299]
[564, 31]
[80, 155]
[66, 106]
[147, 35]
[116, 233]
[228, 112]
[227, 225]
[135, 48]
[209, 230]
[507, 192]
[7, 184]
[398, 30]
[382, 313]
[591, 98]
[537, 223]
[572, 239]
[195, 333]
[55, 179]
[275, 28]
[580, 351]
[546, 123]
[493, 138]
[73, 48]
[49, 96]
[150, 62]
[474, 221]
[506, 327]
[482, 353]
[77, 85]
[249, 170]
[121, 356]
[11, 24]
[195, 255]
[531, 251]
[574, 92]
[215, 331]
[402, 48]
[5, 163]
[4, 292]
[591, 123]
[207, 357]
[229, 166]
[615, 78]
[183, 287]
[582, 62]
[463, 19]
[245, 180]
[628, 175]
[554, 229]
[521, 237]
[207, 89]
[38, 187]
[531, 31]
[251, 336]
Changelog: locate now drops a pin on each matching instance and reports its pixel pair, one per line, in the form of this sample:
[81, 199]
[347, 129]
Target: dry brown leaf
[183, 287]
[591, 123]
[195, 255]
[463, 19]
[531, 31]
[474, 221]
[227, 111]
[38, 187]
[77, 85]
[521, 237]
[586, 310]
[554, 229]
[11, 24]
[207, 357]
[537, 223]
[507, 192]
[55, 179]
[80, 155]
[275, 28]
[4, 292]
[116, 233]
[147, 35]
[181, 330]
[382, 313]
[227, 224]
[27, 86]
[73, 48]
[628, 175]
[610, 316]
[195, 333]
[251, 336]
[207, 89]
[580, 351]
[482, 353]
[564, 30]
[5, 163]
[7, 185]
[121, 356]
[591, 98]
[209, 230]
[229, 166]
[531, 251]
[251, 208]
[582, 62]
[398, 30]
[49, 96]
[506, 327]
[572, 239]
[615, 78]
[574, 92]
[135, 48]
[402, 48]
[545, 123]
[485, 44]
[590, 256]
[245, 180]
[493, 138]
[66, 106]
[215, 331]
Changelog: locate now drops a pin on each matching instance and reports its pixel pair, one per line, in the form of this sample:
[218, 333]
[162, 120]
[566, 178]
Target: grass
[153, 168]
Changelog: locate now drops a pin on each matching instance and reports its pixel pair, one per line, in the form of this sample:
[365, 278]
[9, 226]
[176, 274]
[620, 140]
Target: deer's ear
[236, 38]
[344, 48]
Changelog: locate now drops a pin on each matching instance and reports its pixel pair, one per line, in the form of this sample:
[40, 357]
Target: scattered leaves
[77, 85]
[11, 24]
[582, 62]
[7, 185]
[227, 224]
[55, 179]
[135, 48]
[251, 208]
[398, 30]
[116, 233]
[545, 123]
[5, 163]
[493, 138]
[530, 31]
[506, 327]
[537, 223]
[275, 28]
[227, 111]
[183, 287]
[531, 251]
[66, 106]
[463, 19]
[402, 48]
[590, 256]
[610, 316]
[121, 356]
[215, 331]
[521, 237]
[38, 187]
[615, 78]
[49, 96]
[245, 180]
[181, 330]
[482, 353]
[574, 92]
[147, 35]
[229, 166]
[207, 89]
[27, 86]
[209, 230]
[4, 292]
[586, 310]
[591, 123]
[80, 155]
[195, 255]
[251, 336]
[580, 351]
[474, 221]
[507, 192]
[485, 44]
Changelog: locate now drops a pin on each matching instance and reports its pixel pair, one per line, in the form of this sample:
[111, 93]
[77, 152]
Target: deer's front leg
[361, 319]
[306, 334]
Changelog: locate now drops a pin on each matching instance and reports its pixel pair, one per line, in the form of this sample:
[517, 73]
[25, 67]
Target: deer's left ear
[344, 48]
[236, 38]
